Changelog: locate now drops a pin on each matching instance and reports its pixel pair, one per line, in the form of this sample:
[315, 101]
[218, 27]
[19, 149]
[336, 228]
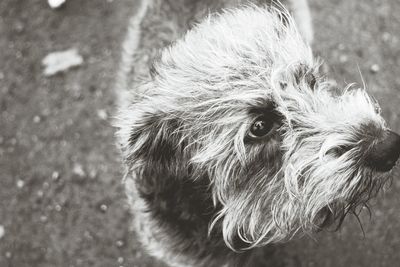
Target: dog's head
[240, 100]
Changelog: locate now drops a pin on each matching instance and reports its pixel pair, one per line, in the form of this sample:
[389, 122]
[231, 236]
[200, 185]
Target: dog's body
[232, 139]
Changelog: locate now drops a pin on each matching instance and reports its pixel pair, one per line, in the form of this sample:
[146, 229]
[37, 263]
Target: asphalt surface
[61, 199]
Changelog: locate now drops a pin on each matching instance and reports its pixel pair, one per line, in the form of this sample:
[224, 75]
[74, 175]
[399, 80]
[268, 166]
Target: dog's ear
[156, 142]
[154, 150]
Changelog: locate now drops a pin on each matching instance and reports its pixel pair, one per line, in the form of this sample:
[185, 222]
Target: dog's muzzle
[384, 154]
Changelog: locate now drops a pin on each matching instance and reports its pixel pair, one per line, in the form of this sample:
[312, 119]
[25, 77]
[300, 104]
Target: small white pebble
[102, 114]
[375, 68]
[120, 260]
[8, 254]
[119, 243]
[55, 175]
[103, 207]
[2, 231]
[58, 207]
[36, 119]
[56, 3]
[78, 170]
[20, 183]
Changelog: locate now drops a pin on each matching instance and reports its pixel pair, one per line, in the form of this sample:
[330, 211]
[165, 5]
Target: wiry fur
[186, 129]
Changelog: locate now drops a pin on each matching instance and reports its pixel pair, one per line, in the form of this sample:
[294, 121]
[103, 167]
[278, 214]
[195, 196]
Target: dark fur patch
[304, 72]
[180, 203]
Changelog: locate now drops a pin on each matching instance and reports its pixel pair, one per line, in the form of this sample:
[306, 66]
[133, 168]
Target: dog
[232, 137]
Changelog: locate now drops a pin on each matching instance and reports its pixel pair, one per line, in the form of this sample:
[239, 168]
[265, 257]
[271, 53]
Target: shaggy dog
[233, 139]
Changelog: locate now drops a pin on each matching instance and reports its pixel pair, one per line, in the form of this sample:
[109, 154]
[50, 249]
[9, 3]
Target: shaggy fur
[202, 187]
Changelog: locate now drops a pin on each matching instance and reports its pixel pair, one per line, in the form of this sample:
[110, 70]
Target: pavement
[61, 199]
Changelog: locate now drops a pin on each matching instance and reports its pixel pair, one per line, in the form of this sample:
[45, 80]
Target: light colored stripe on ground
[129, 47]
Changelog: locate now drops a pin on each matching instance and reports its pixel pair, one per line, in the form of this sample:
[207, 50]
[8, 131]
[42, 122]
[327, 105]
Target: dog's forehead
[246, 59]
[239, 48]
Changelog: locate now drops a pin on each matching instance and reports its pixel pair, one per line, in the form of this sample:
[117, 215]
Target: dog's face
[240, 100]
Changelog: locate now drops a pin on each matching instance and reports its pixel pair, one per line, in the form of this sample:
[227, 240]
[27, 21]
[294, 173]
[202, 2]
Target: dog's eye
[261, 127]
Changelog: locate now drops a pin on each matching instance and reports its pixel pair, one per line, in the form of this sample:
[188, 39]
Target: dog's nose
[384, 154]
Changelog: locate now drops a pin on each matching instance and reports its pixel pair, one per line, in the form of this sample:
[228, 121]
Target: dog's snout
[384, 154]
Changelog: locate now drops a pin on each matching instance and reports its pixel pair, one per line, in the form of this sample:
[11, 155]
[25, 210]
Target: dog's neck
[184, 207]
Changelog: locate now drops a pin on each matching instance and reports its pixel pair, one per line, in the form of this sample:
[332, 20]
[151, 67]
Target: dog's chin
[331, 217]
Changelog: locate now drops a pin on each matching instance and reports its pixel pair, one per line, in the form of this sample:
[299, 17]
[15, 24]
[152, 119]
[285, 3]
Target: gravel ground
[61, 199]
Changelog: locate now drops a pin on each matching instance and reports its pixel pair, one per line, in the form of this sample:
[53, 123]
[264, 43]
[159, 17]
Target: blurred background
[61, 198]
